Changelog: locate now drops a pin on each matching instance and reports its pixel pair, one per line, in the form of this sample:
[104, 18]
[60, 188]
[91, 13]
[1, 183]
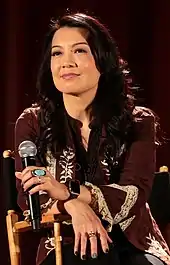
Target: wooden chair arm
[47, 221]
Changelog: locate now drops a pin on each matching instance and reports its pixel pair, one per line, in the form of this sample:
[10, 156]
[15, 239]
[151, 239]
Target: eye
[80, 50]
[56, 53]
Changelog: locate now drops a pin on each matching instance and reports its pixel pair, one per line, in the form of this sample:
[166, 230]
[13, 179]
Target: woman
[91, 137]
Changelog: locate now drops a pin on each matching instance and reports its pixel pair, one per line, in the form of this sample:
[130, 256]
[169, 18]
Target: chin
[71, 91]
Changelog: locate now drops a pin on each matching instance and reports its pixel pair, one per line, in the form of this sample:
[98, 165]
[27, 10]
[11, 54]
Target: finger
[109, 239]
[76, 243]
[104, 241]
[32, 182]
[27, 169]
[83, 245]
[26, 177]
[107, 236]
[37, 188]
[18, 175]
[30, 168]
[93, 246]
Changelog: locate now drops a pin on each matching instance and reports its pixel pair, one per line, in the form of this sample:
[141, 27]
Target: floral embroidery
[125, 224]
[99, 205]
[156, 249]
[51, 164]
[50, 244]
[130, 200]
[66, 163]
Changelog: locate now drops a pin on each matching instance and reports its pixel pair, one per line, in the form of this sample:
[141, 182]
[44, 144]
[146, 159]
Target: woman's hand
[87, 226]
[48, 183]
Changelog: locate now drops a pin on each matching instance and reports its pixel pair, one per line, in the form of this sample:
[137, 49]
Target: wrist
[85, 194]
[73, 188]
[70, 206]
[66, 193]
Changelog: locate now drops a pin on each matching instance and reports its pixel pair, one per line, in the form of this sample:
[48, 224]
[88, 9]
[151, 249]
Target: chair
[160, 196]
[159, 201]
[14, 226]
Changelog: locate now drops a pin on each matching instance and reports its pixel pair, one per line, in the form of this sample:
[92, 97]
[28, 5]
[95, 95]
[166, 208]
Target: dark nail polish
[83, 257]
[107, 250]
[76, 253]
[94, 256]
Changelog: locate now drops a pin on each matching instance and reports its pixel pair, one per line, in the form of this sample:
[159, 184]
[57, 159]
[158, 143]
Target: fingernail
[94, 256]
[76, 253]
[106, 250]
[83, 257]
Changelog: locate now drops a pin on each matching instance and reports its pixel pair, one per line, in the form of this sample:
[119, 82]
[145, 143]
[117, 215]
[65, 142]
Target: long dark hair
[112, 102]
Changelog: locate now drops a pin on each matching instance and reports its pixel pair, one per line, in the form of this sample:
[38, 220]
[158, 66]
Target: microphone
[27, 151]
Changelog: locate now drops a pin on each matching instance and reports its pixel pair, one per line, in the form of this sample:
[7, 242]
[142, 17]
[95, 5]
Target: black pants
[114, 257]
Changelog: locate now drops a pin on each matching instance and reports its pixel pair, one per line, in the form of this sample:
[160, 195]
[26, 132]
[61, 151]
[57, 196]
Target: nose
[68, 64]
[68, 61]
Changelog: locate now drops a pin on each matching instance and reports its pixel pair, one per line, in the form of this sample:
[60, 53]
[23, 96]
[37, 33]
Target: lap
[113, 257]
[70, 259]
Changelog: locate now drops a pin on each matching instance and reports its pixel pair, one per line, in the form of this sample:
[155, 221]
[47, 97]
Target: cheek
[54, 67]
[91, 70]
[87, 65]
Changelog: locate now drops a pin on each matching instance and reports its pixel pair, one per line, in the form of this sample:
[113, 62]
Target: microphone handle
[33, 199]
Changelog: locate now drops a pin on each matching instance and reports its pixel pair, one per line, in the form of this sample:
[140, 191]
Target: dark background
[142, 32]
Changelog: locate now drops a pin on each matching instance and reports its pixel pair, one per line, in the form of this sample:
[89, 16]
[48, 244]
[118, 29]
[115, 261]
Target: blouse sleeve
[122, 201]
[26, 128]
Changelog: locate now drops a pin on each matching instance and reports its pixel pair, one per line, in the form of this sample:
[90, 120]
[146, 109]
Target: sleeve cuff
[99, 205]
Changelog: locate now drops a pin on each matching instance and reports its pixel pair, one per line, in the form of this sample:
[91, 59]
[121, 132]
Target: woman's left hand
[87, 227]
[48, 183]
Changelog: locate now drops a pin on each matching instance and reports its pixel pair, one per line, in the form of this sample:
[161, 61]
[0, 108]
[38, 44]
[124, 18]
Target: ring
[39, 179]
[38, 172]
[92, 234]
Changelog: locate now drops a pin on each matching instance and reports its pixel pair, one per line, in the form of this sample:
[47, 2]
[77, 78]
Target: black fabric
[160, 198]
[9, 184]
[114, 257]
[87, 160]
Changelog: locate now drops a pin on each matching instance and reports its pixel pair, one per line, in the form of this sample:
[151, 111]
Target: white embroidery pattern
[156, 249]
[50, 244]
[125, 224]
[51, 164]
[105, 164]
[130, 200]
[66, 162]
[101, 205]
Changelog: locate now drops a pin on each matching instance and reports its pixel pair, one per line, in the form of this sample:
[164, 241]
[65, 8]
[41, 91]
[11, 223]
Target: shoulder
[140, 113]
[144, 121]
[31, 112]
[28, 120]
[29, 115]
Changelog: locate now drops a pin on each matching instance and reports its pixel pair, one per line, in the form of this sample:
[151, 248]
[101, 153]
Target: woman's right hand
[86, 222]
[47, 183]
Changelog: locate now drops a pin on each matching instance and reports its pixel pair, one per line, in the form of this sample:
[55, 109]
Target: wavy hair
[112, 103]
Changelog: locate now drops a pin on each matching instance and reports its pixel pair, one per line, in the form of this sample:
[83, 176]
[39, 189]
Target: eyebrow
[75, 44]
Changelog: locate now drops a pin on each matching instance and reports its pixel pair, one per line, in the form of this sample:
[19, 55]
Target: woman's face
[72, 63]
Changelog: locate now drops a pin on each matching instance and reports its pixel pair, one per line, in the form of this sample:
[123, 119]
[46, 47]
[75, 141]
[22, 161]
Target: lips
[69, 76]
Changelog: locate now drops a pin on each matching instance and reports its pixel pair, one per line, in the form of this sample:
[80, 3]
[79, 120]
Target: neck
[78, 106]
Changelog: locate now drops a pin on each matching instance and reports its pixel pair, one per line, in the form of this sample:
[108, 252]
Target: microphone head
[26, 149]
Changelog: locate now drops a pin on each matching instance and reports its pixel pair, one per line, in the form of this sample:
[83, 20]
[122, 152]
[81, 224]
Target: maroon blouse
[123, 203]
